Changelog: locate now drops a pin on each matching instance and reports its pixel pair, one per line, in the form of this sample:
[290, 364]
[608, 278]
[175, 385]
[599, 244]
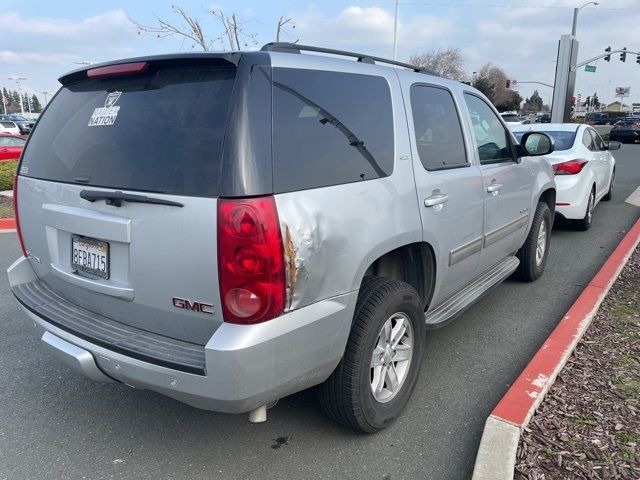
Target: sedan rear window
[510, 118]
[158, 132]
[563, 140]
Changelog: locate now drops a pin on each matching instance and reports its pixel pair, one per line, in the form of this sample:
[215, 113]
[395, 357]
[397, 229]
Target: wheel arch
[548, 196]
[412, 263]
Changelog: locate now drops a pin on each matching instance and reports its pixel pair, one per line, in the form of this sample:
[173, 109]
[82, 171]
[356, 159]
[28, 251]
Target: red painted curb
[7, 223]
[519, 403]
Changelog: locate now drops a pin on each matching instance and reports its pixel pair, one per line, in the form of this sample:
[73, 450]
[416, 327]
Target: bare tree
[281, 23]
[190, 28]
[494, 81]
[446, 62]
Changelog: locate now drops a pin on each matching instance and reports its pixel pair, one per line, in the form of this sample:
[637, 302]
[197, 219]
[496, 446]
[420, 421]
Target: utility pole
[18, 80]
[395, 33]
[575, 16]
[45, 98]
[3, 101]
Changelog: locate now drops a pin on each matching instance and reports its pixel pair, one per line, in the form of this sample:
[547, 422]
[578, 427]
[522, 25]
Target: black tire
[530, 269]
[346, 396]
[609, 194]
[584, 223]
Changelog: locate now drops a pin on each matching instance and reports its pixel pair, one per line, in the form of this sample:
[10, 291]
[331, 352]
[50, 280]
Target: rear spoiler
[166, 60]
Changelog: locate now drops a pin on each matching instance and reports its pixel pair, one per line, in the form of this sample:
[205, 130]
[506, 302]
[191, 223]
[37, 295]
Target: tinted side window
[597, 141]
[330, 128]
[439, 135]
[587, 141]
[491, 137]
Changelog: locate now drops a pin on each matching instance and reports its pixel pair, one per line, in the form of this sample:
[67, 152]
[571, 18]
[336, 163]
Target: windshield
[562, 140]
[157, 132]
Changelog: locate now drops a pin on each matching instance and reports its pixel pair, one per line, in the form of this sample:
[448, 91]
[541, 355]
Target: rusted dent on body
[290, 259]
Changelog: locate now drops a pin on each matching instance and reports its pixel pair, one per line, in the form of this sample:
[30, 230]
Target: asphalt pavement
[56, 424]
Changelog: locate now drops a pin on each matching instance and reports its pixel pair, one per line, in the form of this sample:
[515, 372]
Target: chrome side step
[472, 292]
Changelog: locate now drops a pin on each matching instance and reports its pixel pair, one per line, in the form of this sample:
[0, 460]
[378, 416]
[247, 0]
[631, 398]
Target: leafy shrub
[7, 172]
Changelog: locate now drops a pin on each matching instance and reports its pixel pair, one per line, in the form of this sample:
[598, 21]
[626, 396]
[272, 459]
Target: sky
[42, 40]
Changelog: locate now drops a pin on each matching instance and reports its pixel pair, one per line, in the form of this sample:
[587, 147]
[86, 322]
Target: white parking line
[634, 198]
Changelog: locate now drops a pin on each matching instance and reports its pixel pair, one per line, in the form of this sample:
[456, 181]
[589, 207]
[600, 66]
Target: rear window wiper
[116, 198]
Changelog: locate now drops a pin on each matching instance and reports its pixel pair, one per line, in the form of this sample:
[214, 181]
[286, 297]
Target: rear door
[506, 184]
[155, 138]
[449, 186]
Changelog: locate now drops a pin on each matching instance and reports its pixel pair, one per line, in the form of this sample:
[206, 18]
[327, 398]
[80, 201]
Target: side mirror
[612, 145]
[534, 144]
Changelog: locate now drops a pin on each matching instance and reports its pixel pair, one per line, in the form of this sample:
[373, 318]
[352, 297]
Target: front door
[506, 184]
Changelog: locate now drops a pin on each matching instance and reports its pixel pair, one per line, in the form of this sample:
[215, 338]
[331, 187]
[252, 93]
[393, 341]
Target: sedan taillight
[570, 167]
[250, 260]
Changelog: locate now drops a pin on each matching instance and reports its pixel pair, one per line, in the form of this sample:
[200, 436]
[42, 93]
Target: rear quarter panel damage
[331, 235]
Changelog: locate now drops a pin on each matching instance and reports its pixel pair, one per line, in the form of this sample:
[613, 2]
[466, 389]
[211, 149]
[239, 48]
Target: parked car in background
[626, 132]
[544, 118]
[629, 120]
[584, 169]
[334, 210]
[24, 124]
[7, 126]
[604, 118]
[11, 146]
[511, 118]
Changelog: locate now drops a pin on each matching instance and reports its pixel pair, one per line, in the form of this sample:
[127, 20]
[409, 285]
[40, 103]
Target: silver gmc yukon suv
[231, 228]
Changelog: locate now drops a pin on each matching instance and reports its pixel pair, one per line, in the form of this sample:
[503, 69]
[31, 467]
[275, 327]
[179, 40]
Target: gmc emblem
[193, 306]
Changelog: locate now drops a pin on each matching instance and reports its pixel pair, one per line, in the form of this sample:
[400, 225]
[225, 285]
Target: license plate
[90, 256]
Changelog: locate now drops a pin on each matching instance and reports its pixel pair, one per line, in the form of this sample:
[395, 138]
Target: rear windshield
[510, 118]
[157, 132]
[562, 140]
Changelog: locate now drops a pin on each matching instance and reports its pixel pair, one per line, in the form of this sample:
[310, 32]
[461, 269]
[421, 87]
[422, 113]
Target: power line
[540, 7]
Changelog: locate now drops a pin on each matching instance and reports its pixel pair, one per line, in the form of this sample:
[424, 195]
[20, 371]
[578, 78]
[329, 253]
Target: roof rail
[287, 47]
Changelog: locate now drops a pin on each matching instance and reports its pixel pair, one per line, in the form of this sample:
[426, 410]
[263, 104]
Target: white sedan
[583, 165]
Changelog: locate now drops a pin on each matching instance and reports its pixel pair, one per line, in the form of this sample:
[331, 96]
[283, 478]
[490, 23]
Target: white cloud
[369, 28]
[9, 56]
[90, 31]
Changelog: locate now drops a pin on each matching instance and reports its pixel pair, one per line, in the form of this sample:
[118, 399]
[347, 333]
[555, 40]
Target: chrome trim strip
[458, 254]
[505, 231]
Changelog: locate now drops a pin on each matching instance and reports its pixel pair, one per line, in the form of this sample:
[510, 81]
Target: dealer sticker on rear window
[106, 115]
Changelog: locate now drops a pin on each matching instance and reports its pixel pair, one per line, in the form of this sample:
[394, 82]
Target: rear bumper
[245, 365]
[573, 190]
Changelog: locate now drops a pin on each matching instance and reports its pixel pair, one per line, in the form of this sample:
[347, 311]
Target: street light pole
[45, 97]
[395, 32]
[18, 80]
[575, 16]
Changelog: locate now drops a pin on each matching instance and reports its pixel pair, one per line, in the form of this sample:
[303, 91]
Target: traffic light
[607, 57]
[623, 55]
[638, 59]
[508, 83]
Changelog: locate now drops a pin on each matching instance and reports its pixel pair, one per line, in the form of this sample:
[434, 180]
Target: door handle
[434, 200]
[494, 188]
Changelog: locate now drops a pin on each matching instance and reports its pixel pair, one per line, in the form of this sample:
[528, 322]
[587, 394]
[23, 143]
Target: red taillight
[569, 168]
[250, 260]
[114, 70]
[16, 216]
